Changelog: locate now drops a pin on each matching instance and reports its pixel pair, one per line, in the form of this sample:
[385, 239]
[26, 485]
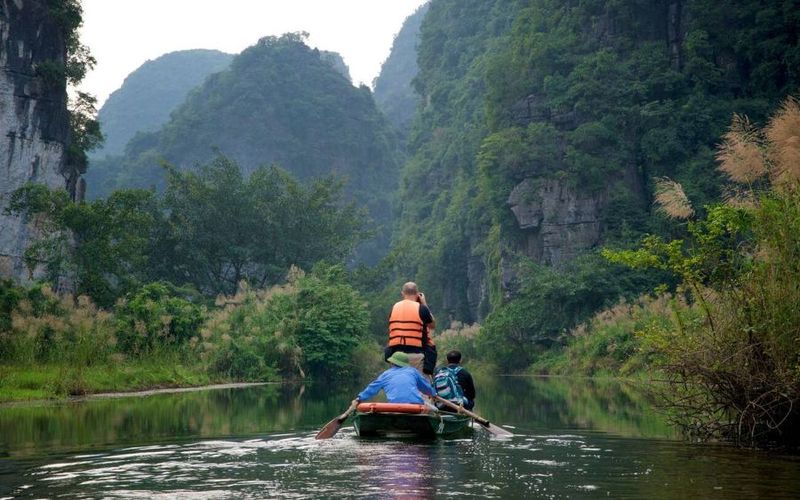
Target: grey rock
[34, 123]
[559, 221]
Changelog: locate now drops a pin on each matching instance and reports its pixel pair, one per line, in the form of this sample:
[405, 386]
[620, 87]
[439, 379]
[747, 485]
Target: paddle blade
[497, 430]
[330, 429]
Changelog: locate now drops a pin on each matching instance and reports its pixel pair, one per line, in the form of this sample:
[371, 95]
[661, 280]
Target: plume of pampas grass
[783, 136]
[740, 155]
[671, 200]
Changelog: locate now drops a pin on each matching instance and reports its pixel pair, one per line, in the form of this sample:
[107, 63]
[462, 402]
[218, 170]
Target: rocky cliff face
[34, 122]
[559, 222]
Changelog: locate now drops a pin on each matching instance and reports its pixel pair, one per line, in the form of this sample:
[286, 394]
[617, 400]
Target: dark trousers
[428, 351]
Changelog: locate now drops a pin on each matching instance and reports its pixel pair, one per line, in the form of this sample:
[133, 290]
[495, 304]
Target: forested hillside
[393, 89]
[280, 102]
[542, 129]
[151, 92]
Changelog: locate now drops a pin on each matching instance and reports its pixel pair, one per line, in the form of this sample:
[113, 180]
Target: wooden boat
[407, 420]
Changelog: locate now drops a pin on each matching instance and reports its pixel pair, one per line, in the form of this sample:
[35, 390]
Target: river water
[574, 438]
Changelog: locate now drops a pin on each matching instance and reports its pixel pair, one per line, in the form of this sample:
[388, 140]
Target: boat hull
[426, 425]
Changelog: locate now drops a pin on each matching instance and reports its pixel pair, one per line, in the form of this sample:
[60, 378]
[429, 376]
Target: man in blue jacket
[402, 383]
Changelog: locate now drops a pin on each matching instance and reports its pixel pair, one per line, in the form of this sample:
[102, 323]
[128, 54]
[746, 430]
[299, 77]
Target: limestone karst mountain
[150, 93]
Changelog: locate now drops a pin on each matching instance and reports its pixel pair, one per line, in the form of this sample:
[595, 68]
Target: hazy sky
[123, 34]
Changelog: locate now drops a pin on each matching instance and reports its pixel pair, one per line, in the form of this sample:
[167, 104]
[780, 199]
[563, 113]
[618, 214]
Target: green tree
[101, 247]
[226, 227]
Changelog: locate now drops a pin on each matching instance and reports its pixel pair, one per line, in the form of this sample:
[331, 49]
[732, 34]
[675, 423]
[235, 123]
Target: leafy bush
[616, 341]
[460, 337]
[547, 305]
[313, 325]
[156, 317]
[734, 365]
[244, 338]
[332, 320]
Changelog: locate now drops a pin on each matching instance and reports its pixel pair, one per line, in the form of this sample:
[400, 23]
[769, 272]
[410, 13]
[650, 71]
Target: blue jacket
[401, 385]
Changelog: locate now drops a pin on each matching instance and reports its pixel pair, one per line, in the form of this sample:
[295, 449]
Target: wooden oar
[494, 429]
[332, 427]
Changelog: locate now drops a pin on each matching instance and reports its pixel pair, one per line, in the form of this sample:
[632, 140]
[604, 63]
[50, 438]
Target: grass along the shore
[52, 381]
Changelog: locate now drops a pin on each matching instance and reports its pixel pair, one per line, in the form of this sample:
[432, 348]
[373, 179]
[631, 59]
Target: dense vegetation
[211, 229]
[283, 103]
[543, 133]
[730, 351]
[159, 335]
[593, 98]
[118, 320]
[393, 91]
[150, 93]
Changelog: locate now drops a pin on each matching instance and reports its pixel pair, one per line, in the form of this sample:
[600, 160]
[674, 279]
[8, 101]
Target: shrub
[244, 338]
[615, 341]
[460, 337]
[332, 320]
[733, 357]
[64, 330]
[313, 325]
[156, 316]
[547, 305]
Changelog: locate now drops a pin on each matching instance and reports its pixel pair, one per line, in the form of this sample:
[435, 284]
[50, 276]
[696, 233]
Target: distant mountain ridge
[151, 92]
[280, 102]
[394, 92]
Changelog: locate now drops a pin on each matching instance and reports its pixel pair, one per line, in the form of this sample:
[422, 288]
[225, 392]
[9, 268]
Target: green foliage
[279, 103]
[226, 227]
[35, 301]
[713, 259]
[314, 325]
[332, 321]
[393, 91]
[732, 356]
[149, 94]
[211, 229]
[615, 342]
[68, 15]
[10, 295]
[548, 304]
[102, 245]
[595, 96]
[85, 134]
[156, 316]
[460, 337]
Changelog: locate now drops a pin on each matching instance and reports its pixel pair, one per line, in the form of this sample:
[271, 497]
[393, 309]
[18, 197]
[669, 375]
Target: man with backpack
[454, 383]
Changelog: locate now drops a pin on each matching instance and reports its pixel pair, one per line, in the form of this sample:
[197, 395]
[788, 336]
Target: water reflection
[573, 439]
[404, 471]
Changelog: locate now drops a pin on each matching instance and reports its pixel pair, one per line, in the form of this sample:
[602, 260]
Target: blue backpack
[445, 382]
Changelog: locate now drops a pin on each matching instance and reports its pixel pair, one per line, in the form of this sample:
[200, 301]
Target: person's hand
[422, 299]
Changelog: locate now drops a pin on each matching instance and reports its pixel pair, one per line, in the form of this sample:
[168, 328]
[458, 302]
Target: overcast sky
[123, 34]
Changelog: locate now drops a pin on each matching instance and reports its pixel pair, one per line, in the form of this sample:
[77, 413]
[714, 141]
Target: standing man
[410, 326]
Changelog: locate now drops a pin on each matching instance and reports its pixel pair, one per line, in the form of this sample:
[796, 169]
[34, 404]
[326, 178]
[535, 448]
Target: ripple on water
[298, 466]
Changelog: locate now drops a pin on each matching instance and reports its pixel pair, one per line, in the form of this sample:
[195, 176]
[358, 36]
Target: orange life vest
[405, 324]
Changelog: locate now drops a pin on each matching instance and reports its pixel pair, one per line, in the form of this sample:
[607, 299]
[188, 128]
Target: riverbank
[53, 382]
[136, 394]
